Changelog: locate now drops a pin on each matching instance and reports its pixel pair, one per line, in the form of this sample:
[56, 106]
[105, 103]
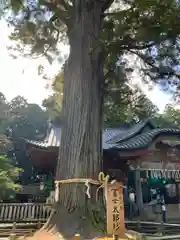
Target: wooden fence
[24, 212]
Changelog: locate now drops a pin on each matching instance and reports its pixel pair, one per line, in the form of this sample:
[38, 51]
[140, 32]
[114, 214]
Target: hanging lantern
[41, 186]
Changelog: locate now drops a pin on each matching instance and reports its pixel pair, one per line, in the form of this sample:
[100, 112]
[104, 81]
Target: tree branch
[127, 44]
[65, 4]
[152, 65]
[138, 47]
[62, 11]
[114, 14]
[106, 4]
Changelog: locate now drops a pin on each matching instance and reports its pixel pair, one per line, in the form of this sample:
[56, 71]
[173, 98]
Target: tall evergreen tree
[98, 31]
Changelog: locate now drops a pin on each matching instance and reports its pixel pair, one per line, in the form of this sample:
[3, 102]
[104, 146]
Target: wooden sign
[115, 209]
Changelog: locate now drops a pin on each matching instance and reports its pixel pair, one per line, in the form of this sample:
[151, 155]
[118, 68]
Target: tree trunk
[80, 153]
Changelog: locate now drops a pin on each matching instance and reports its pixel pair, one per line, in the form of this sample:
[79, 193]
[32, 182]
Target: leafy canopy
[8, 177]
[127, 106]
[24, 119]
[20, 120]
[53, 103]
[121, 104]
[170, 117]
[146, 29]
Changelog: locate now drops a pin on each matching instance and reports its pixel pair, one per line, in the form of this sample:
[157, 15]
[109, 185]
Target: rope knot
[104, 184]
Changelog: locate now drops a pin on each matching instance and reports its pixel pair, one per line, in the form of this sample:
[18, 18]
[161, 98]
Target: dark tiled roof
[131, 132]
[53, 139]
[135, 139]
[145, 139]
[109, 134]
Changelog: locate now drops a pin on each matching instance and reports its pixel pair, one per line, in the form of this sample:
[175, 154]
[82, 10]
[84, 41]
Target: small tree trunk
[80, 153]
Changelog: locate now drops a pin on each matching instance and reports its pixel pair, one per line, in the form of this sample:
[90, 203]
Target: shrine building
[143, 153]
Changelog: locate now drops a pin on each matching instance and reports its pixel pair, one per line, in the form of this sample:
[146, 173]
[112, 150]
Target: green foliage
[23, 120]
[146, 29]
[172, 115]
[169, 118]
[142, 26]
[8, 177]
[3, 109]
[26, 120]
[30, 122]
[53, 103]
[17, 106]
[127, 106]
[121, 104]
[5, 144]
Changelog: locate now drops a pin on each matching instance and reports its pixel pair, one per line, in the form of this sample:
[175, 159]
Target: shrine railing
[24, 212]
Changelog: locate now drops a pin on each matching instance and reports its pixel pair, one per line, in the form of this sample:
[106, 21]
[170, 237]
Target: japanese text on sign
[115, 210]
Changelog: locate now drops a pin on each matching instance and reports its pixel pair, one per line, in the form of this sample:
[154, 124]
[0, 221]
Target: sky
[20, 76]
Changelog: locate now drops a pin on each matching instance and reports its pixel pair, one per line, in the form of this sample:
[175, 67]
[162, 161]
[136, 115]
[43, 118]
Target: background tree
[127, 106]
[8, 178]
[169, 118]
[27, 121]
[97, 32]
[4, 110]
[53, 103]
[17, 107]
[23, 120]
[5, 143]
[172, 115]
[121, 104]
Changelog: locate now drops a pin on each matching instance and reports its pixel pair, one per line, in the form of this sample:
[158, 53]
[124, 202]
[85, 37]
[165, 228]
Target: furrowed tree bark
[80, 151]
[80, 154]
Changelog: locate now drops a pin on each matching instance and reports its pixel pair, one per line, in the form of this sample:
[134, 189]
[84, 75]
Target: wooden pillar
[139, 195]
[177, 195]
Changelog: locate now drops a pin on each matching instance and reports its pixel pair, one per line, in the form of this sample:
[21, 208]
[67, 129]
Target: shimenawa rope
[102, 181]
